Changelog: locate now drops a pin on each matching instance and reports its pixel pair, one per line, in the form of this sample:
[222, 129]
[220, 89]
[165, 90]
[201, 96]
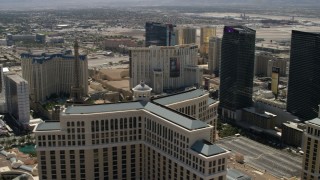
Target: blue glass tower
[159, 34]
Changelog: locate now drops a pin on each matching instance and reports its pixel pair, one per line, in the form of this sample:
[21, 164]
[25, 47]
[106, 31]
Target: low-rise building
[292, 133]
[265, 61]
[259, 118]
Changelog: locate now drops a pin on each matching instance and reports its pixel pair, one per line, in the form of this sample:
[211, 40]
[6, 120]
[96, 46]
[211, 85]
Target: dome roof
[142, 87]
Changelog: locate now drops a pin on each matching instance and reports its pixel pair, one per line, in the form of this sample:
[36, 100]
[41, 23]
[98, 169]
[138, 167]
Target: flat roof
[315, 121]
[173, 116]
[292, 125]
[238, 29]
[233, 174]
[90, 109]
[264, 114]
[211, 101]
[206, 148]
[16, 78]
[182, 96]
[48, 126]
[306, 32]
[39, 59]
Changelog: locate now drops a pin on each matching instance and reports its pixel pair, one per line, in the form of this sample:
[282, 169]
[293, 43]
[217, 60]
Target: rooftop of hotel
[206, 148]
[164, 112]
[179, 97]
[306, 33]
[191, 46]
[315, 121]
[16, 78]
[41, 58]
[156, 107]
[48, 126]
[92, 109]
[260, 113]
[238, 29]
[293, 126]
[233, 174]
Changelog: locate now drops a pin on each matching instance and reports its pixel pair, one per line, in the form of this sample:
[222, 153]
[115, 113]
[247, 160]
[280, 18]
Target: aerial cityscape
[130, 89]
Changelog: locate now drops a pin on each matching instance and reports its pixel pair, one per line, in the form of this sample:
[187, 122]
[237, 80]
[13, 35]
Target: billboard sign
[275, 80]
[174, 67]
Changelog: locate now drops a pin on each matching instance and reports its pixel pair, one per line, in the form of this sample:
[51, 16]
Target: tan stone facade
[311, 142]
[201, 107]
[135, 140]
[165, 68]
[205, 34]
[52, 74]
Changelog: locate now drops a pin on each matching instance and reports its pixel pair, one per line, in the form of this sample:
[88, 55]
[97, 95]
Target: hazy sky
[52, 4]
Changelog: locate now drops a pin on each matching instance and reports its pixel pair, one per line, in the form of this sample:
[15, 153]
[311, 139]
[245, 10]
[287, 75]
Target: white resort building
[165, 67]
[161, 138]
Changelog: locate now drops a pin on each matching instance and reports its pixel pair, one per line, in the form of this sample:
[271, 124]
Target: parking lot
[265, 158]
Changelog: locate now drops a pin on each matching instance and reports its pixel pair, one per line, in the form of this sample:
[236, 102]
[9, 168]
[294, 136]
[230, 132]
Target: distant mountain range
[54, 4]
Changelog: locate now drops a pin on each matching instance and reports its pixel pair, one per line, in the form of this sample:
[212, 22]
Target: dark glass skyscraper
[236, 70]
[159, 34]
[304, 75]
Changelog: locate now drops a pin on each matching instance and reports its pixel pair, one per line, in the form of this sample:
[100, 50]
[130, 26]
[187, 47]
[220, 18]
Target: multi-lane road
[273, 161]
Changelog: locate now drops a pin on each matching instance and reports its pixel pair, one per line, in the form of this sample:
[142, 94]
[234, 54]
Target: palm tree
[14, 140]
[8, 142]
[22, 140]
[28, 138]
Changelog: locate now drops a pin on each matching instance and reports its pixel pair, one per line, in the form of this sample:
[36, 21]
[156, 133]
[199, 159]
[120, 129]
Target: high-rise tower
[304, 75]
[205, 34]
[76, 89]
[186, 35]
[214, 55]
[159, 34]
[17, 98]
[236, 70]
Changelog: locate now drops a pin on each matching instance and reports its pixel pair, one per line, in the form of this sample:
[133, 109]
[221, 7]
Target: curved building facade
[164, 67]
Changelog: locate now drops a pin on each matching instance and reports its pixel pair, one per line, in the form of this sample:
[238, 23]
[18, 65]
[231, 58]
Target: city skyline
[150, 103]
[60, 4]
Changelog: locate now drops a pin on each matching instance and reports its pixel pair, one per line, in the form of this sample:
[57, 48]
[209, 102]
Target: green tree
[28, 138]
[33, 154]
[8, 142]
[22, 140]
[228, 130]
[2, 142]
[14, 140]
